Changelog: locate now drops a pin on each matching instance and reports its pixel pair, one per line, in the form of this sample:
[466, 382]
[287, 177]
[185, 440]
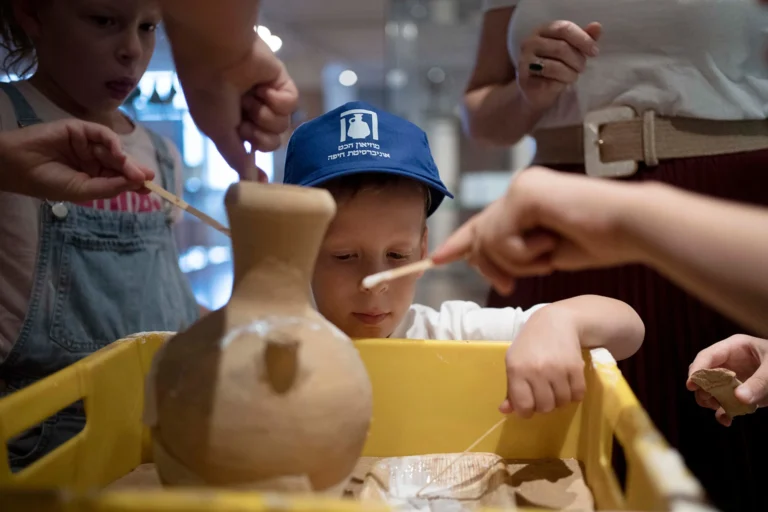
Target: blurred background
[411, 57]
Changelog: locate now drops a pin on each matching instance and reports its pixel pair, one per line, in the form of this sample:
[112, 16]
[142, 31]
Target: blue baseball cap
[359, 138]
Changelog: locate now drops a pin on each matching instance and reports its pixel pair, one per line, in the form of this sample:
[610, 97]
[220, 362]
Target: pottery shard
[721, 384]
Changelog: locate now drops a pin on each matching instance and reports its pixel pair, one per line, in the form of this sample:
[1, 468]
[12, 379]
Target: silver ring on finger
[536, 67]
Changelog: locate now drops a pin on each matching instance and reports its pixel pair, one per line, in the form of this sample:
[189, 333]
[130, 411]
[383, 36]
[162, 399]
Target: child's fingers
[543, 395]
[561, 390]
[723, 418]
[506, 407]
[577, 383]
[706, 400]
[754, 390]
[521, 397]
[713, 356]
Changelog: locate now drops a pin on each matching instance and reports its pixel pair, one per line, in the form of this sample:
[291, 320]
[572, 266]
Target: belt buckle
[593, 163]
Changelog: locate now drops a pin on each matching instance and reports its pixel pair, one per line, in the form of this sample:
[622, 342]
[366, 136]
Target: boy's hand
[68, 160]
[545, 367]
[746, 357]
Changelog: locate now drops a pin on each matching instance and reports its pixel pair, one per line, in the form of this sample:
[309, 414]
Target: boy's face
[94, 51]
[374, 230]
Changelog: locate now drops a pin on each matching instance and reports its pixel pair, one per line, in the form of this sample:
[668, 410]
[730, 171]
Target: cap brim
[404, 171]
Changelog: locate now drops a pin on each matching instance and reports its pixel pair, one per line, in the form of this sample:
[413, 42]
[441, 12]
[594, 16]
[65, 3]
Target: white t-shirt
[19, 227]
[460, 320]
[689, 58]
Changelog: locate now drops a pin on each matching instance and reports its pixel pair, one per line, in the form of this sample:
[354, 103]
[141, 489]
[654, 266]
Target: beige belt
[612, 141]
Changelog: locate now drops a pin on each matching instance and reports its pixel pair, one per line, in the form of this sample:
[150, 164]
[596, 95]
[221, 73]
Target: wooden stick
[179, 202]
[375, 280]
[477, 441]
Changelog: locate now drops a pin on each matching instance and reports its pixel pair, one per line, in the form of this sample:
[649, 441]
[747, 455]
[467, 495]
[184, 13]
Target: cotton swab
[375, 280]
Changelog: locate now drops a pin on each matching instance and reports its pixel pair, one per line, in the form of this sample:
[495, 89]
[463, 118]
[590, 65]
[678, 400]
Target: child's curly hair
[20, 57]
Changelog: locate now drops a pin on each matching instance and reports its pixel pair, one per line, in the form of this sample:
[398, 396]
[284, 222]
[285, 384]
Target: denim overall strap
[166, 165]
[100, 276]
[25, 115]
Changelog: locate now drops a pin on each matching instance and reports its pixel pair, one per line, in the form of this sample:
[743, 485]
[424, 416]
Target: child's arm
[545, 367]
[602, 322]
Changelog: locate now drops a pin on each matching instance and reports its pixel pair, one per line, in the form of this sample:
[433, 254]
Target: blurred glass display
[205, 254]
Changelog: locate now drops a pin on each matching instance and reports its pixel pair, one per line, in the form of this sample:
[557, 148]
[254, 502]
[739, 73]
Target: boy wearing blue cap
[380, 170]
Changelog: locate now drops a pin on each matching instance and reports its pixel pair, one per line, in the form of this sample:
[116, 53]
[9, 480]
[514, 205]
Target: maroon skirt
[729, 462]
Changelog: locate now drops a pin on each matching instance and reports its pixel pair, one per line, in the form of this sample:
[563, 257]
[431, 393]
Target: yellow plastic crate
[429, 397]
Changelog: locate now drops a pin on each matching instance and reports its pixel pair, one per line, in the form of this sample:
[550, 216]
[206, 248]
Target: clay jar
[264, 393]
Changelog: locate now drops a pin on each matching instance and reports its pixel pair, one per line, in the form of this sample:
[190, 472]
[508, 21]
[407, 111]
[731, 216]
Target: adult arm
[494, 110]
[503, 104]
[717, 250]
[222, 32]
[235, 87]
[549, 221]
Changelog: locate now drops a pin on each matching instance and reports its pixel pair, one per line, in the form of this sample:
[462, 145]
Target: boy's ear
[26, 16]
[423, 248]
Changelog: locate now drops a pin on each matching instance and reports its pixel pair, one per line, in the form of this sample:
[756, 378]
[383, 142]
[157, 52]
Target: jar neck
[274, 285]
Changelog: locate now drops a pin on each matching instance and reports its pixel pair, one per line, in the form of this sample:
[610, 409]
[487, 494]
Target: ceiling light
[263, 31]
[410, 31]
[392, 29]
[273, 41]
[348, 78]
[396, 78]
[436, 75]
[419, 11]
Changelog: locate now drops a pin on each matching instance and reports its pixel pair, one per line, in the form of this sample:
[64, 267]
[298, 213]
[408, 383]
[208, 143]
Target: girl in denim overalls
[75, 277]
